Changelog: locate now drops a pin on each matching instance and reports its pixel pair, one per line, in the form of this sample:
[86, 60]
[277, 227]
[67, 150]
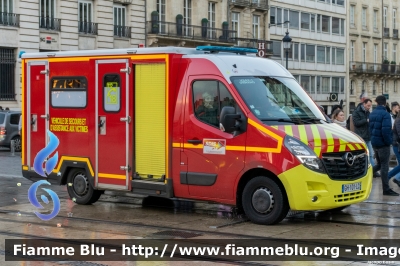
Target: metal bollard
[12, 147]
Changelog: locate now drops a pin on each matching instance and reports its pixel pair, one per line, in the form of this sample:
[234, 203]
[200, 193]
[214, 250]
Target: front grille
[349, 197]
[338, 169]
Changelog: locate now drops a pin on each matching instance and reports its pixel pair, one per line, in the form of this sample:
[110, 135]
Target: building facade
[54, 25]
[373, 43]
[317, 57]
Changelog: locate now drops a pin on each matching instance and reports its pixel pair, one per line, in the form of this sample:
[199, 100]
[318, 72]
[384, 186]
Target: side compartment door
[113, 120]
[215, 158]
[37, 113]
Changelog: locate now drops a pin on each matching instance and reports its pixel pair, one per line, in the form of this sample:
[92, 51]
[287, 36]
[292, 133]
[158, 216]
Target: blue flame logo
[32, 198]
[49, 167]
[44, 153]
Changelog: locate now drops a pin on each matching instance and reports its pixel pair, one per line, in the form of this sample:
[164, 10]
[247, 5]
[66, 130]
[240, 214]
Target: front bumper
[303, 186]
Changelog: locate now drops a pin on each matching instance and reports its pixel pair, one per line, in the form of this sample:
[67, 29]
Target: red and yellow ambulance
[206, 123]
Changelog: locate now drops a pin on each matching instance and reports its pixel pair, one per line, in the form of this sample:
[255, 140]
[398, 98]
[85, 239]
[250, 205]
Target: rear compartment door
[114, 124]
[37, 108]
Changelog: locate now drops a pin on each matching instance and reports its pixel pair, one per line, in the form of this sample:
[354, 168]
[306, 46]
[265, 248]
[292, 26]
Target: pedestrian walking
[380, 127]
[360, 119]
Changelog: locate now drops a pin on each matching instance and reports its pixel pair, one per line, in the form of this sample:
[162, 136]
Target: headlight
[304, 154]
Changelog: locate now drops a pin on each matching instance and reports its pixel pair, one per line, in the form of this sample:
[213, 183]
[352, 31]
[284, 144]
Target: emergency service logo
[214, 146]
[50, 164]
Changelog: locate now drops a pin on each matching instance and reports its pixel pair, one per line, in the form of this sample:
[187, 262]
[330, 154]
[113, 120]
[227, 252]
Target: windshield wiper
[310, 120]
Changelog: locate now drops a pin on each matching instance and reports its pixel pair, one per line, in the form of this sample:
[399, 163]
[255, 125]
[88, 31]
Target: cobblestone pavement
[10, 166]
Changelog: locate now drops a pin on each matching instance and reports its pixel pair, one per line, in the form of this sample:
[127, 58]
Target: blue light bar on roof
[226, 49]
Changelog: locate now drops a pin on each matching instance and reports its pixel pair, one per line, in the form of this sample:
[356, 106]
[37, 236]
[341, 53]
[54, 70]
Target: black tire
[17, 143]
[338, 209]
[79, 188]
[264, 202]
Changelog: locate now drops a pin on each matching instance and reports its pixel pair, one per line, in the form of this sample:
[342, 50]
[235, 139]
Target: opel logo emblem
[349, 158]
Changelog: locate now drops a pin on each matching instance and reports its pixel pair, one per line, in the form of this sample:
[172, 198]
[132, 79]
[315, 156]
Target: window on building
[211, 21]
[374, 87]
[235, 23]
[305, 83]
[296, 77]
[279, 15]
[47, 14]
[187, 19]
[272, 16]
[395, 86]
[319, 84]
[342, 27]
[335, 84]
[161, 9]
[68, 92]
[385, 51]
[326, 84]
[385, 17]
[276, 49]
[7, 6]
[296, 51]
[7, 74]
[394, 53]
[303, 52]
[285, 15]
[386, 86]
[336, 25]
[312, 90]
[394, 18]
[320, 54]
[375, 53]
[312, 22]
[364, 17]
[339, 56]
[256, 26]
[318, 23]
[352, 9]
[352, 51]
[375, 20]
[328, 55]
[352, 87]
[305, 21]
[342, 85]
[363, 86]
[294, 19]
[364, 52]
[85, 17]
[340, 2]
[310, 53]
[326, 24]
[119, 22]
[333, 55]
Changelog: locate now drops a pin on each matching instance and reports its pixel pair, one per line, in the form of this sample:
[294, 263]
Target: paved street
[124, 216]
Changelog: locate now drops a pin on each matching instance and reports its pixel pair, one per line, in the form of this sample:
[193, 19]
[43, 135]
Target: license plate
[351, 187]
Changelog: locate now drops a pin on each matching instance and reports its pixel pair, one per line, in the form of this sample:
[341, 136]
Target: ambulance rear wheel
[79, 188]
[263, 201]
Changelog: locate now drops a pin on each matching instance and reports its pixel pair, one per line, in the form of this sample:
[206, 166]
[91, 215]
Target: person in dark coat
[380, 127]
[360, 118]
[207, 112]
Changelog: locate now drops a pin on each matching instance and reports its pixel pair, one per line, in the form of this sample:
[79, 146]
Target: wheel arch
[66, 164]
[250, 174]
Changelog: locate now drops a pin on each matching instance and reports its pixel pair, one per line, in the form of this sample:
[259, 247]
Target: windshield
[277, 99]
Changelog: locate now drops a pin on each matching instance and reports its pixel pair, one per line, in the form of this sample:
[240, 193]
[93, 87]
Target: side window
[111, 93]
[68, 92]
[209, 97]
[14, 119]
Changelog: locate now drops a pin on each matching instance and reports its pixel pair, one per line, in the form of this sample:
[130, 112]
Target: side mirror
[228, 118]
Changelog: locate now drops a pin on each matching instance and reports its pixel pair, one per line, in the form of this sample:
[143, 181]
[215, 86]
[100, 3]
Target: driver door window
[209, 97]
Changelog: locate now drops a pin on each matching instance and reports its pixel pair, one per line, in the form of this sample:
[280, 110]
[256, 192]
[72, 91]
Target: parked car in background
[9, 121]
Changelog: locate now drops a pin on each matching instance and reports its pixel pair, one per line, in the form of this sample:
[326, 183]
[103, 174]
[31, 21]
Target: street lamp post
[287, 41]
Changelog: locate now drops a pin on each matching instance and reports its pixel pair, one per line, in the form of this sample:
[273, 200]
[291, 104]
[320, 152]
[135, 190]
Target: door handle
[45, 116]
[195, 141]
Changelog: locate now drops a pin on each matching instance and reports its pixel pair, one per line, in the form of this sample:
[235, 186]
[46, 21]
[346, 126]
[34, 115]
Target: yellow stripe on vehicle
[70, 158]
[303, 134]
[351, 147]
[289, 130]
[271, 134]
[358, 146]
[330, 141]
[316, 136]
[103, 175]
[317, 151]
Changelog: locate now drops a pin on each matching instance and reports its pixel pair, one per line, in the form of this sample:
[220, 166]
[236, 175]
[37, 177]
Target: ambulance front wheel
[79, 188]
[263, 201]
